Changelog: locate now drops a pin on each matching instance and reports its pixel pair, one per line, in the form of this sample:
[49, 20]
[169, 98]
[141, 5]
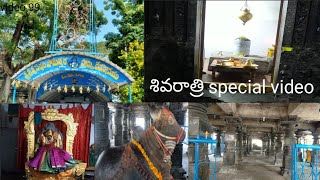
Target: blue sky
[108, 27]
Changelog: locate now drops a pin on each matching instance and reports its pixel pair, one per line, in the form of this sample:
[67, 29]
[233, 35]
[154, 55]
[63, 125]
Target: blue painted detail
[301, 168]
[75, 78]
[55, 27]
[130, 94]
[92, 53]
[203, 140]
[65, 62]
[14, 93]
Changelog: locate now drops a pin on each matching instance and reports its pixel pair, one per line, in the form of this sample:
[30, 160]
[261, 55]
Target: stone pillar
[278, 153]
[244, 144]
[289, 139]
[101, 128]
[117, 118]
[250, 143]
[218, 152]
[125, 125]
[316, 138]
[198, 124]
[177, 170]
[229, 157]
[264, 145]
[299, 137]
[239, 144]
[268, 145]
[272, 144]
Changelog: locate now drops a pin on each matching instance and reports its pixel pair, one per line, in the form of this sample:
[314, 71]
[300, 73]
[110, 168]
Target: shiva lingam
[245, 14]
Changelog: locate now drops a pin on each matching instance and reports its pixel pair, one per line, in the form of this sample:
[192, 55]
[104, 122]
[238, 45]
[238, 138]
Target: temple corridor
[254, 166]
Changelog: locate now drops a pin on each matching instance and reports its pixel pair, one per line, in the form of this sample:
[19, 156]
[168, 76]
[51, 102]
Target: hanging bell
[245, 15]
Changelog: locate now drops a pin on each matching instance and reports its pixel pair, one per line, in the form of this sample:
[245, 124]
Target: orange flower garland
[155, 171]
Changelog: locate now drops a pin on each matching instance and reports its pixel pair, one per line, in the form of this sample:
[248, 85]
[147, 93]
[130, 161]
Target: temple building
[251, 42]
[256, 140]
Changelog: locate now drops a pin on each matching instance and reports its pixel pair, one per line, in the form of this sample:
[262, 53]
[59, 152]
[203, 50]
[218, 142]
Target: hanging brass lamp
[245, 14]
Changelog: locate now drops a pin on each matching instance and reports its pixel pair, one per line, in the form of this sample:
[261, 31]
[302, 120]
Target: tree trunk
[5, 90]
[36, 50]
[6, 58]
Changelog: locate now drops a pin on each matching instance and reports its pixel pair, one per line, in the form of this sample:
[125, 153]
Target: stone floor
[253, 167]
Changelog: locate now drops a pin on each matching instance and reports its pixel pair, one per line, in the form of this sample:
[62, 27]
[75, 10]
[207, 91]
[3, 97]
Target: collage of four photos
[160, 89]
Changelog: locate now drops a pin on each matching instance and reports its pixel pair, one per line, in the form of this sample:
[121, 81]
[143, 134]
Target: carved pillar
[218, 143]
[289, 139]
[198, 124]
[171, 33]
[278, 153]
[177, 170]
[268, 145]
[316, 138]
[272, 144]
[125, 125]
[264, 145]
[239, 144]
[244, 144]
[101, 128]
[250, 144]
[299, 137]
[229, 157]
[117, 118]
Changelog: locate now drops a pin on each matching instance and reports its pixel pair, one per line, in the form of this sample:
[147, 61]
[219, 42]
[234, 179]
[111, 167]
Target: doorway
[226, 57]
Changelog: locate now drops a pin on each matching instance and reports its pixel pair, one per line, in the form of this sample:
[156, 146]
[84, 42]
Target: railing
[203, 140]
[305, 162]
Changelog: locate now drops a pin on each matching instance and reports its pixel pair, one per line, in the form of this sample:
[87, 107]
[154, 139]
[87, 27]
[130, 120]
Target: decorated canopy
[73, 72]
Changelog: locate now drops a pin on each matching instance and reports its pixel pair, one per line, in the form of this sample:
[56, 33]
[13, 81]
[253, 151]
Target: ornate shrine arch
[52, 74]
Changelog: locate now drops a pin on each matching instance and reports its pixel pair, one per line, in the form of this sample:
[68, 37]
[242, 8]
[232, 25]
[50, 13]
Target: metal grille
[305, 162]
[200, 140]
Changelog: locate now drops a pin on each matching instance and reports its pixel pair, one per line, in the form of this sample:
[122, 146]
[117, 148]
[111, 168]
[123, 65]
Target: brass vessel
[245, 15]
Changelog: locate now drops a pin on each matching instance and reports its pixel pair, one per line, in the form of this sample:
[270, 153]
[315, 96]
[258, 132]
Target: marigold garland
[155, 171]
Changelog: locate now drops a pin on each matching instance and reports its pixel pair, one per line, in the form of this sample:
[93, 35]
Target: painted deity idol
[50, 157]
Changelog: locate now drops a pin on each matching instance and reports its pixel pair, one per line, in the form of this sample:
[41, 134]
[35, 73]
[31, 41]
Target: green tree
[130, 23]
[25, 36]
[25, 32]
[134, 58]
[126, 47]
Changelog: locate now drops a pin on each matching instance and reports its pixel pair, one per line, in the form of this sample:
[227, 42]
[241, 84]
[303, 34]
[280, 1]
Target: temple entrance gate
[70, 74]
